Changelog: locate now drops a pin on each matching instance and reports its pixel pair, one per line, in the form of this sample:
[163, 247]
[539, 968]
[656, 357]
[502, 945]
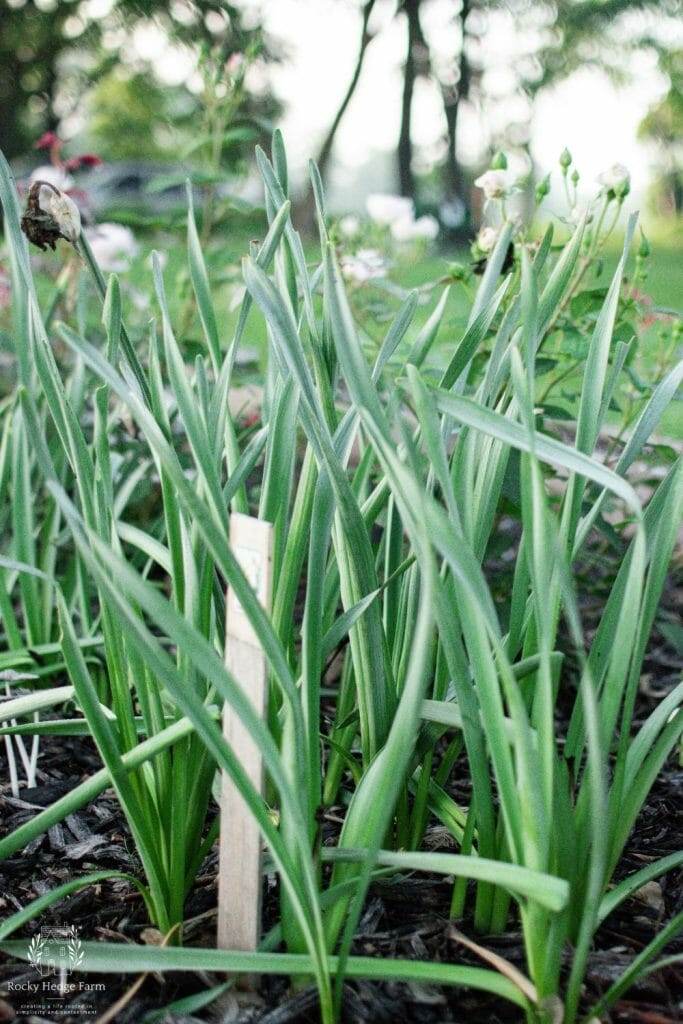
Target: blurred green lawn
[664, 284]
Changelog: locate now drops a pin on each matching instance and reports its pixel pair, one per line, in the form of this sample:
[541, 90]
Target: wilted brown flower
[50, 214]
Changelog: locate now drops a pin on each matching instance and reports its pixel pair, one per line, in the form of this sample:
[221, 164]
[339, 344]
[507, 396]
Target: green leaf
[110, 958]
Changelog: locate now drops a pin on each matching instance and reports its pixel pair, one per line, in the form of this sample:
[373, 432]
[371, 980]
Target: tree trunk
[365, 38]
[404, 152]
[454, 187]
[305, 214]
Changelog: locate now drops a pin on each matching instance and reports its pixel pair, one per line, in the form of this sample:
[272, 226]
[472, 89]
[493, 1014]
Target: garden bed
[403, 917]
[465, 780]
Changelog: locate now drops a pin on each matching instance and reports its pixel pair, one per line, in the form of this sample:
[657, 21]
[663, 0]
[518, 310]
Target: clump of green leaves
[385, 482]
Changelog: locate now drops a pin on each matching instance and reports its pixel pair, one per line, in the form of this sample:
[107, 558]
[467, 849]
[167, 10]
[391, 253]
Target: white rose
[349, 226]
[407, 229]
[53, 176]
[385, 209]
[493, 183]
[113, 246]
[486, 239]
[364, 266]
[373, 258]
[63, 211]
[235, 64]
[615, 177]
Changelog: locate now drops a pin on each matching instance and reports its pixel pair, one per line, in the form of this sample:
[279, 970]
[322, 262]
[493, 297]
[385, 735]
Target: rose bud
[543, 188]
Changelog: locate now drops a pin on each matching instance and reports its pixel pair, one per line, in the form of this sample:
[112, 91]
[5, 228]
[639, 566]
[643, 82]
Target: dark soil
[402, 918]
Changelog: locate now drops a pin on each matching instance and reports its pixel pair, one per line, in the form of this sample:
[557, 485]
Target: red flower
[48, 140]
[76, 163]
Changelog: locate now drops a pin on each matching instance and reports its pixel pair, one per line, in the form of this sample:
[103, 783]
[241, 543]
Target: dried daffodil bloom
[50, 214]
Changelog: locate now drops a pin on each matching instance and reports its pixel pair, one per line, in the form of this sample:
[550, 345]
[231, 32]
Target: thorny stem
[566, 189]
[558, 380]
[631, 409]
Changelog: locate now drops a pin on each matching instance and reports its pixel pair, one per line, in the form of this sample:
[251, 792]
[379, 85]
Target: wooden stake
[239, 873]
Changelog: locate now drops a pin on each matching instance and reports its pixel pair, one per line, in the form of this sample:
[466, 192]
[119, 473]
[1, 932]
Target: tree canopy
[52, 53]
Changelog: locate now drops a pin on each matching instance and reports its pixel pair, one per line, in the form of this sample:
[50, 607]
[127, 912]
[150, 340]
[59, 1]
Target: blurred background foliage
[122, 76]
[142, 108]
[98, 64]
[163, 91]
[663, 127]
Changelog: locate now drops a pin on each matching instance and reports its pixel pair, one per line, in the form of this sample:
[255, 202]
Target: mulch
[402, 918]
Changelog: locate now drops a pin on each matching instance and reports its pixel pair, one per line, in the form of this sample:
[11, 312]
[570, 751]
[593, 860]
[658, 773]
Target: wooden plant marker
[239, 871]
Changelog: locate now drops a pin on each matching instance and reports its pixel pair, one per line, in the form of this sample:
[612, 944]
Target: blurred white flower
[113, 245]
[235, 64]
[349, 226]
[386, 209]
[615, 177]
[373, 257]
[56, 176]
[364, 266]
[407, 229]
[486, 239]
[139, 299]
[493, 183]
[62, 209]
[5, 289]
